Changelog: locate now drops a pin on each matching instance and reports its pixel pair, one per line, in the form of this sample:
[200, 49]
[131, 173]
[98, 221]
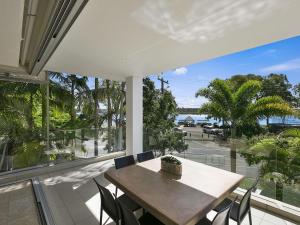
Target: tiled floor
[74, 200]
[17, 205]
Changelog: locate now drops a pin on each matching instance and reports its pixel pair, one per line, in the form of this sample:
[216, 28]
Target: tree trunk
[233, 148]
[109, 116]
[30, 117]
[233, 130]
[44, 110]
[279, 191]
[73, 113]
[96, 119]
[120, 125]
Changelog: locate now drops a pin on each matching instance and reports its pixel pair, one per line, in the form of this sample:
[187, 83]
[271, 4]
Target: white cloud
[285, 66]
[180, 71]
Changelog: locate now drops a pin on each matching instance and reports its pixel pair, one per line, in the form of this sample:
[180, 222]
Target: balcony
[73, 198]
[45, 44]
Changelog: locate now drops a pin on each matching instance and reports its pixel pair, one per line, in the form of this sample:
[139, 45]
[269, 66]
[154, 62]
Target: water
[291, 120]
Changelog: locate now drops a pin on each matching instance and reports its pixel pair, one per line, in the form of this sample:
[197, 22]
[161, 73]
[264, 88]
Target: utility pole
[162, 82]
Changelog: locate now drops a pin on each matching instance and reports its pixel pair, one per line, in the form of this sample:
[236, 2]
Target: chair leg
[250, 218]
[101, 214]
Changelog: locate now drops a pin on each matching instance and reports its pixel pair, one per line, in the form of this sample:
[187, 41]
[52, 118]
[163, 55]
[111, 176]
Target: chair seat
[204, 221]
[234, 210]
[130, 204]
[148, 219]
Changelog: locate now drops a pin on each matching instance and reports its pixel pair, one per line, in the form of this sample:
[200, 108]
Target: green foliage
[29, 154]
[171, 159]
[23, 113]
[160, 110]
[277, 85]
[239, 106]
[279, 155]
[236, 81]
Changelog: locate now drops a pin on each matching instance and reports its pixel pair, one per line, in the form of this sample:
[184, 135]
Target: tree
[78, 88]
[278, 157]
[118, 108]
[96, 114]
[276, 85]
[109, 93]
[296, 90]
[236, 81]
[240, 106]
[160, 110]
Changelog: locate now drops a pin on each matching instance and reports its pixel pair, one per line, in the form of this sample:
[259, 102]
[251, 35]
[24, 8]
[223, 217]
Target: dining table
[173, 199]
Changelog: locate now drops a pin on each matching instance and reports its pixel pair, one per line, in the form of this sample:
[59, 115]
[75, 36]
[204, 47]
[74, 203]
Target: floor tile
[75, 200]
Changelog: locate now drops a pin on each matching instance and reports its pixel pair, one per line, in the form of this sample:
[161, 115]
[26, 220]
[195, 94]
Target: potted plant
[172, 165]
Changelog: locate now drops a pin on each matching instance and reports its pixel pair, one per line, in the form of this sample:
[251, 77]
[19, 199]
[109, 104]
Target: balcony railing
[62, 146]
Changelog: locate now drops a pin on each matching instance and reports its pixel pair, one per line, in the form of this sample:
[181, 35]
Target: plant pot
[171, 168]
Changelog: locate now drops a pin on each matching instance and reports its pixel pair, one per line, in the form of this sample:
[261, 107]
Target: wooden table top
[174, 200]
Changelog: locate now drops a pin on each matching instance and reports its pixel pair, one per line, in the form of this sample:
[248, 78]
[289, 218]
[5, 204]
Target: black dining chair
[128, 218]
[240, 210]
[123, 162]
[109, 205]
[141, 157]
[222, 217]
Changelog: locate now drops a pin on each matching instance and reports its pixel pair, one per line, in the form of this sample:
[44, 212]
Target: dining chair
[240, 210]
[141, 157]
[128, 217]
[109, 205]
[222, 217]
[123, 162]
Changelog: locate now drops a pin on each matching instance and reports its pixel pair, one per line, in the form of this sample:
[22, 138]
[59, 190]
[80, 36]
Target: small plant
[171, 159]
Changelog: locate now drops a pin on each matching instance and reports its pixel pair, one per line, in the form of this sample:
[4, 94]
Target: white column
[134, 115]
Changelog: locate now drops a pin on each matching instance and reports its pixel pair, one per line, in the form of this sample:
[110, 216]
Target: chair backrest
[127, 216]
[222, 218]
[124, 161]
[141, 157]
[108, 202]
[244, 206]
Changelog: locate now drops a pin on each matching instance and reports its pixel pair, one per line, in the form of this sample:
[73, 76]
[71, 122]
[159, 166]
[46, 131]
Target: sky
[278, 57]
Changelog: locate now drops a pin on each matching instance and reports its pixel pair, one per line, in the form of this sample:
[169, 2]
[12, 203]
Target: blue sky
[278, 57]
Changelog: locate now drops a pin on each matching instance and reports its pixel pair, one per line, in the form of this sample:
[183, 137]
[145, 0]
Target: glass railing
[62, 146]
[279, 171]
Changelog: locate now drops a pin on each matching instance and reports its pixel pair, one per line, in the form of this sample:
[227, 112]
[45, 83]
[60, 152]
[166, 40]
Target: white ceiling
[115, 39]
[11, 16]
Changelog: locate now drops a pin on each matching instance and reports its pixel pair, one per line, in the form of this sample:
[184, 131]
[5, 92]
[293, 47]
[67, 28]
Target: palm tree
[78, 88]
[118, 102]
[278, 156]
[96, 114]
[98, 94]
[108, 89]
[240, 106]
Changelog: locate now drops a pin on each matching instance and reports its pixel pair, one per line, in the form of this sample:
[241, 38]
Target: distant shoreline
[198, 118]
